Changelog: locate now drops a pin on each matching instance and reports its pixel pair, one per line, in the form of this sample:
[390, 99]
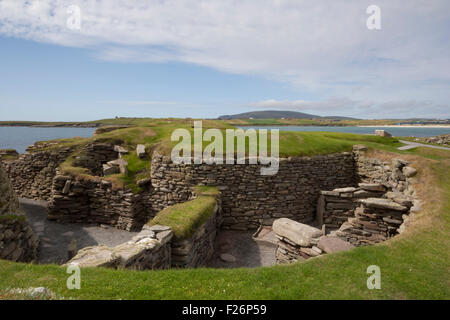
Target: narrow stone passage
[55, 237]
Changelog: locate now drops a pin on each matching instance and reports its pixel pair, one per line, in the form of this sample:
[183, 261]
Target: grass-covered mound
[184, 218]
[155, 134]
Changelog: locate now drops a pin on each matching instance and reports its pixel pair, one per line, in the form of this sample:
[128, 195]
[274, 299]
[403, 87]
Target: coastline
[407, 126]
[49, 126]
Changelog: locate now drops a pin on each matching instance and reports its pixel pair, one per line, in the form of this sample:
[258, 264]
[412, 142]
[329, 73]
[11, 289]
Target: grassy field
[311, 122]
[414, 265]
[238, 122]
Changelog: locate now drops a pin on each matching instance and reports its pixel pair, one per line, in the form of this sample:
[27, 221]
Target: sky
[77, 60]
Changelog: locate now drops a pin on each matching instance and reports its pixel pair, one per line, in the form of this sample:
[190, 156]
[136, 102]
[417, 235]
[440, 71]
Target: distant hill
[272, 114]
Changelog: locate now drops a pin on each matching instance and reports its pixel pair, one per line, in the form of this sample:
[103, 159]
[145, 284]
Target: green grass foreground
[414, 265]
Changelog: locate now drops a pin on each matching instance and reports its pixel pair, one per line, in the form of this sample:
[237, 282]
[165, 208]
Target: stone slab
[333, 244]
[298, 233]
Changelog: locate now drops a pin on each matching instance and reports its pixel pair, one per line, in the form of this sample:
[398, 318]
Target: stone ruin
[334, 202]
[17, 239]
[156, 247]
[376, 210]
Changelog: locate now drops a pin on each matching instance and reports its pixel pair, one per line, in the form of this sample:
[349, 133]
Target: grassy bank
[414, 265]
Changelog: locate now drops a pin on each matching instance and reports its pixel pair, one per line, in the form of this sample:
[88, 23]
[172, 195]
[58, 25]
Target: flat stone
[107, 170]
[226, 257]
[381, 203]
[296, 232]
[120, 149]
[158, 228]
[345, 190]
[361, 194]
[148, 243]
[143, 234]
[409, 172]
[332, 244]
[140, 150]
[392, 221]
[67, 186]
[39, 292]
[309, 252]
[117, 162]
[330, 193]
[372, 186]
[400, 198]
[399, 163]
[98, 256]
[127, 252]
[164, 236]
[316, 249]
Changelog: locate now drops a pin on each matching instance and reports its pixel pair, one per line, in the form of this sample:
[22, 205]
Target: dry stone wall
[155, 247]
[378, 209]
[96, 201]
[8, 199]
[336, 206]
[33, 172]
[249, 199]
[297, 241]
[17, 240]
[150, 249]
[94, 156]
[198, 250]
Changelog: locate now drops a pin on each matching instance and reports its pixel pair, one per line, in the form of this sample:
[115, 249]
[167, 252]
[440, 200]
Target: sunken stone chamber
[250, 199]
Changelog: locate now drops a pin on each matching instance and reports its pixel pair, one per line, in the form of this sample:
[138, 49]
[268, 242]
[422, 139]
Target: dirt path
[55, 237]
[411, 145]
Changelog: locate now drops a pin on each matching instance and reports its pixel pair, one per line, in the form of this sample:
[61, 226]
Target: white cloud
[138, 103]
[330, 104]
[344, 106]
[323, 47]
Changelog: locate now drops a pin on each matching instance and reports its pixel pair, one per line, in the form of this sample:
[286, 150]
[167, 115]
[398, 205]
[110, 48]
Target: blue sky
[209, 58]
[48, 82]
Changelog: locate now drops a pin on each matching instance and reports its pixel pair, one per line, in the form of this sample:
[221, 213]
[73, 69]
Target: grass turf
[184, 218]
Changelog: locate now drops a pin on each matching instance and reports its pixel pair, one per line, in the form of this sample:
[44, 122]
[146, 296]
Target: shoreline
[47, 126]
[407, 126]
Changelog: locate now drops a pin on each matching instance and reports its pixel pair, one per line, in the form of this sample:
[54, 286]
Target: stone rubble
[321, 188]
[150, 249]
[249, 199]
[376, 218]
[297, 241]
